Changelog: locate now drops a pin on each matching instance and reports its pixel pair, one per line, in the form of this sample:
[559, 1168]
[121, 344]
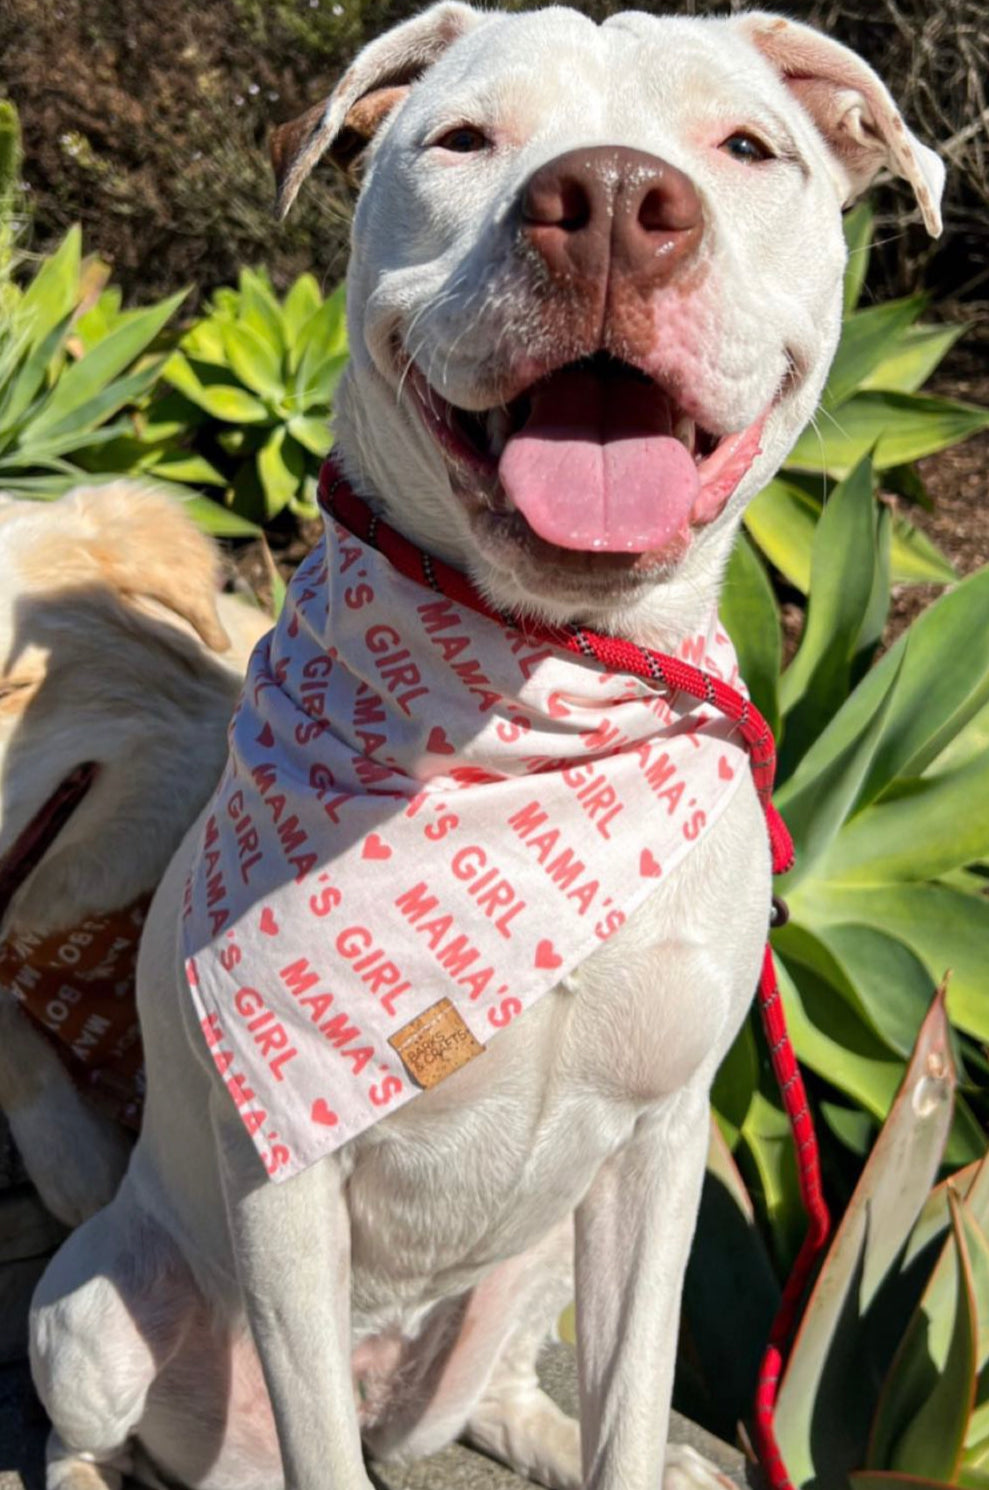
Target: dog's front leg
[634, 1230]
[292, 1250]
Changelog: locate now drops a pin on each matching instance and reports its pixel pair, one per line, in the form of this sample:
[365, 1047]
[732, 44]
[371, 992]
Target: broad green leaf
[900, 427]
[830, 1039]
[866, 337]
[299, 306]
[218, 521]
[843, 575]
[816, 804]
[850, 1125]
[931, 825]
[944, 681]
[969, 744]
[783, 520]
[824, 1405]
[858, 225]
[767, 1142]
[255, 361]
[893, 985]
[203, 342]
[183, 467]
[281, 465]
[915, 559]
[259, 308]
[943, 927]
[317, 380]
[913, 358]
[222, 400]
[314, 434]
[927, 1397]
[77, 429]
[54, 292]
[82, 385]
[750, 616]
[29, 379]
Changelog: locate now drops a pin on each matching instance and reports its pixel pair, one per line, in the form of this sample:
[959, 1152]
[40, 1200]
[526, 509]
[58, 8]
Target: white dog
[119, 667]
[594, 292]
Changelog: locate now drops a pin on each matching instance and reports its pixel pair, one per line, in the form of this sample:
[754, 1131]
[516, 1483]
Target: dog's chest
[480, 1168]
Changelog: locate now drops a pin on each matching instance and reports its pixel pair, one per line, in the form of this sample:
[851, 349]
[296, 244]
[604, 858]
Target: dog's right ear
[375, 83]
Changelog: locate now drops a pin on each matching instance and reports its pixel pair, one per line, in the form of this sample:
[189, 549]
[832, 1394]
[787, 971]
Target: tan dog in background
[120, 662]
[650, 202]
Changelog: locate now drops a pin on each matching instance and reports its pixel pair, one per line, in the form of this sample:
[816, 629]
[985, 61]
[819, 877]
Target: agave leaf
[897, 427]
[823, 1407]
[783, 520]
[299, 306]
[216, 520]
[858, 226]
[943, 927]
[189, 469]
[256, 362]
[927, 1397]
[730, 1296]
[54, 292]
[866, 337]
[892, 985]
[831, 1038]
[915, 560]
[843, 573]
[913, 358]
[259, 309]
[313, 434]
[30, 377]
[749, 614]
[281, 466]
[203, 342]
[220, 399]
[850, 1125]
[944, 681]
[79, 429]
[931, 825]
[816, 804]
[83, 384]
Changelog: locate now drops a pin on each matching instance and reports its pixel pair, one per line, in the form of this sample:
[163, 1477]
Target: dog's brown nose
[607, 210]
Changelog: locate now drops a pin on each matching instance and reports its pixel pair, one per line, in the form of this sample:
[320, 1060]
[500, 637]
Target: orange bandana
[78, 985]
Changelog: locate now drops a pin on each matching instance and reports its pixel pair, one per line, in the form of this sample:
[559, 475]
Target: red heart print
[556, 707]
[546, 955]
[266, 737]
[321, 1113]
[267, 923]
[725, 768]
[375, 848]
[439, 742]
[649, 866]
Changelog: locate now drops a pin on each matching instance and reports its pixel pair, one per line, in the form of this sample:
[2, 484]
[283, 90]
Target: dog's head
[595, 286]
[113, 704]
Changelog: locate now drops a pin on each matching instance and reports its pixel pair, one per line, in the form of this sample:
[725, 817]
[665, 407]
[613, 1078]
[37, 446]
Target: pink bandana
[427, 820]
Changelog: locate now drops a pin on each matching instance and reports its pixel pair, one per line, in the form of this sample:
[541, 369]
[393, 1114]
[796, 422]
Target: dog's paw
[75, 1157]
[685, 1469]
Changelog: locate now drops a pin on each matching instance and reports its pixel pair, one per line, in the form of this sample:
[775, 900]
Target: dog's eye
[746, 147]
[463, 140]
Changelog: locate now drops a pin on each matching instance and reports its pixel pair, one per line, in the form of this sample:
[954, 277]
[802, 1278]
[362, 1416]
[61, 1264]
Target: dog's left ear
[375, 83]
[851, 108]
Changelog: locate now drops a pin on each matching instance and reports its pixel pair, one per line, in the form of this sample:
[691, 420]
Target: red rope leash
[337, 498]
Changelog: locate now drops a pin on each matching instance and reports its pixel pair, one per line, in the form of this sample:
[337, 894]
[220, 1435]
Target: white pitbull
[594, 293]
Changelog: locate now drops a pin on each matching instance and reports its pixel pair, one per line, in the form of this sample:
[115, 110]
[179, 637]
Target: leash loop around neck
[674, 676]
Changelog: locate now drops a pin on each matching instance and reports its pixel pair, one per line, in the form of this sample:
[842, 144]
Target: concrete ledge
[23, 1429]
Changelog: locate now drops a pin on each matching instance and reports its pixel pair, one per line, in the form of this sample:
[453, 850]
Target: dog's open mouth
[34, 841]
[595, 457]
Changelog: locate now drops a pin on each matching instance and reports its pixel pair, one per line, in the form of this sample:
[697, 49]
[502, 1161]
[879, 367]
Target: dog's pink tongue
[596, 467]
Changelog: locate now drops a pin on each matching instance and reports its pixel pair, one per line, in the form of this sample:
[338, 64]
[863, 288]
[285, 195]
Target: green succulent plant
[64, 389]
[10, 198]
[887, 1383]
[253, 381]
[870, 404]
